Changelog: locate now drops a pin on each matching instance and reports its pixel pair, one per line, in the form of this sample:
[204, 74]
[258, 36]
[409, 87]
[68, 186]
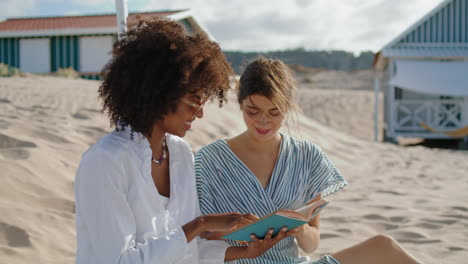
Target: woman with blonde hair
[262, 170]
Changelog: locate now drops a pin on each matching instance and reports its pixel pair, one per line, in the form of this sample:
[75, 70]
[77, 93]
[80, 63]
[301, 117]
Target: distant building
[425, 76]
[45, 44]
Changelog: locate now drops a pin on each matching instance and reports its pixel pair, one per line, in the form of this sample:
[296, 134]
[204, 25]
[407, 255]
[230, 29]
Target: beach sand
[416, 194]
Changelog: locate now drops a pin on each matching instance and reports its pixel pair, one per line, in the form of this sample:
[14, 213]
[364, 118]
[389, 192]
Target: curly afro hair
[154, 64]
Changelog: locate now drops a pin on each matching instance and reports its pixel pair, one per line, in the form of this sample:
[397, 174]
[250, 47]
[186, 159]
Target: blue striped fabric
[327, 260]
[225, 184]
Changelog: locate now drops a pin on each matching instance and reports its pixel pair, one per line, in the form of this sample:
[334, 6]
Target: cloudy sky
[263, 25]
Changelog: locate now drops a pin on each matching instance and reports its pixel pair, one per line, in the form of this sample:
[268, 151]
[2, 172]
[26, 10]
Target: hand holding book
[277, 220]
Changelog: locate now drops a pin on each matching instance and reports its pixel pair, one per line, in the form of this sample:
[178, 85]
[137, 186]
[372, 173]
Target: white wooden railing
[441, 115]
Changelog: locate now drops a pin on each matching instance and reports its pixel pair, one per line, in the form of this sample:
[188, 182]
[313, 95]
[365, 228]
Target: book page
[317, 210]
[309, 209]
[292, 214]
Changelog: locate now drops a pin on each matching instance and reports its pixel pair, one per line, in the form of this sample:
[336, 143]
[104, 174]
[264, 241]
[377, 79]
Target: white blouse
[120, 216]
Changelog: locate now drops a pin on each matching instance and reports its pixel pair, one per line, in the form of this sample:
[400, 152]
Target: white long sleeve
[120, 216]
[105, 213]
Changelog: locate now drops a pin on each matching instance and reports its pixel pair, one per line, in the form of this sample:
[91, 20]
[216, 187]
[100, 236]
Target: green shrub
[15, 72]
[4, 70]
[7, 71]
[67, 73]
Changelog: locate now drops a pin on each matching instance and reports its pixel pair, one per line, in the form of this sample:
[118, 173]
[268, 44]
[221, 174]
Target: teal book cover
[260, 228]
[276, 221]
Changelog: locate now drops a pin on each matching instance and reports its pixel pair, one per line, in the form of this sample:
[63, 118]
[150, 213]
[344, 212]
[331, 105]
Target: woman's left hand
[300, 231]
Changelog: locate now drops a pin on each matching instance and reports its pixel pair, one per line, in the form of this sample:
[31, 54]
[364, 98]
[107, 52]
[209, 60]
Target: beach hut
[424, 76]
[46, 44]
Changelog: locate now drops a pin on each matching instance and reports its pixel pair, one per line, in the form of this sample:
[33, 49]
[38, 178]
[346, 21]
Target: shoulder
[300, 145]
[104, 162]
[178, 142]
[303, 150]
[111, 147]
[213, 148]
[209, 158]
[179, 146]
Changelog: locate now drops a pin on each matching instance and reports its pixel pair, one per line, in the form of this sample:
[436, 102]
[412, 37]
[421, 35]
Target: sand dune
[415, 194]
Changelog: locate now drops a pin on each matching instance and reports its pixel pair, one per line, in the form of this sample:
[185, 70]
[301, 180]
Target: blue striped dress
[302, 171]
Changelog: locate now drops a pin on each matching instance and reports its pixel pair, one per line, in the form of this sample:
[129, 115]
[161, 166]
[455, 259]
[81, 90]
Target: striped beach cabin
[46, 44]
[423, 72]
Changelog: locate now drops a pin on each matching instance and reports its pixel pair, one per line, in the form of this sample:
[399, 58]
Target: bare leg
[379, 249]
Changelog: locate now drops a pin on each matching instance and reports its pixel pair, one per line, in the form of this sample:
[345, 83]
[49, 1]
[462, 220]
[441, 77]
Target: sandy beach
[416, 194]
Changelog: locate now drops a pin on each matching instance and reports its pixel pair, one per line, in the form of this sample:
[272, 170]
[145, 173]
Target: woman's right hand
[259, 246]
[226, 221]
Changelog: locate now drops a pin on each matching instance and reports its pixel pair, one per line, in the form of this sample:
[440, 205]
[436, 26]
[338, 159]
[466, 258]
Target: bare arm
[222, 223]
[218, 235]
[308, 236]
[309, 239]
[193, 228]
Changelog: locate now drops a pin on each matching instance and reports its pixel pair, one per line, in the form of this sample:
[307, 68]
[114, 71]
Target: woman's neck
[261, 145]
[155, 140]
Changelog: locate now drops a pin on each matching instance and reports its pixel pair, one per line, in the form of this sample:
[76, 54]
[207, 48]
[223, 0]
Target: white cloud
[94, 2]
[11, 8]
[82, 2]
[263, 25]
[314, 24]
[15, 8]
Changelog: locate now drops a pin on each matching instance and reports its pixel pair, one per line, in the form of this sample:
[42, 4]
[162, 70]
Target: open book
[277, 220]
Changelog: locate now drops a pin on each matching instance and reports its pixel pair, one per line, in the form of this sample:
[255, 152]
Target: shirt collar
[142, 147]
[138, 142]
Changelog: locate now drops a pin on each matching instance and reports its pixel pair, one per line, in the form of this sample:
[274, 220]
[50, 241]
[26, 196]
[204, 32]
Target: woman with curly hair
[136, 198]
